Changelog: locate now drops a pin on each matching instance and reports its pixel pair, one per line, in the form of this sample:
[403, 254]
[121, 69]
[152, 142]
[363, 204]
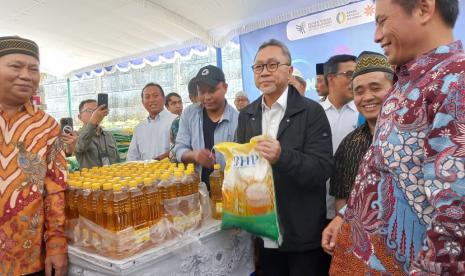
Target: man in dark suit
[297, 144]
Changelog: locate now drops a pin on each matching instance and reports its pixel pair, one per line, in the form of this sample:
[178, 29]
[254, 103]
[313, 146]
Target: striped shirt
[32, 185]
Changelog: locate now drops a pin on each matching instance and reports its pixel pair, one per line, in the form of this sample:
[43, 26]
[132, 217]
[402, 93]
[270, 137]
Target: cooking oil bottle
[194, 188]
[83, 198]
[74, 205]
[166, 189]
[106, 206]
[138, 206]
[177, 182]
[92, 202]
[216, 184]
[153, 203]
[187, 183]
[121, 209]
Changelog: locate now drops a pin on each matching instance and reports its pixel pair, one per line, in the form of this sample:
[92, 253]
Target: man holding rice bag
[297, 143]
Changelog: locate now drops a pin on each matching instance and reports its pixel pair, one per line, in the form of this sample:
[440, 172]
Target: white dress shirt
[151, 137]
[271, 118]
[342, 122]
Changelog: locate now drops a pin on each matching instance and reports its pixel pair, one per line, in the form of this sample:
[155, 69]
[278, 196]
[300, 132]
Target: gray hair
[240, 94]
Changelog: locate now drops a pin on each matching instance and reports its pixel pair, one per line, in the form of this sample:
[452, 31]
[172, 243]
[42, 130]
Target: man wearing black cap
[204, 125]
[320, 84]
[33, 170]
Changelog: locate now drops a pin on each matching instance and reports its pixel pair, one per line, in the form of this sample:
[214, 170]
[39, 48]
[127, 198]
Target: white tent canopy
[76, 35]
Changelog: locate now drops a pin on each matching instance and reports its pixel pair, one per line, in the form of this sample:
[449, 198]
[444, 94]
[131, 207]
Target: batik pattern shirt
[410, 189]
[32, 184]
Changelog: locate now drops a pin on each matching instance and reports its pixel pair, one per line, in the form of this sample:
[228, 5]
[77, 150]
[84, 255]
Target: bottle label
[219, 207]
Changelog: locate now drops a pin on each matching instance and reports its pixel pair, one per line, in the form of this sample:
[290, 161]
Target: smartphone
[102, 98]
[66, 125]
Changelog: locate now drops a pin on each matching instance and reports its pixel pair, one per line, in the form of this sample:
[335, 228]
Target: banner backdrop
[313, 39]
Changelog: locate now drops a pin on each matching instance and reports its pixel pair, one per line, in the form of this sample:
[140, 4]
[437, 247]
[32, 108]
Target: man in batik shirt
[406, 212]
[32, 170]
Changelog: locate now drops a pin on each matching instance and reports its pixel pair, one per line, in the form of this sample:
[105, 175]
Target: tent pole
[219, 58]
[68, 90]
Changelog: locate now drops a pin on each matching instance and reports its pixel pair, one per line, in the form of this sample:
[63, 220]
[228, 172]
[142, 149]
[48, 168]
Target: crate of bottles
[119, 210]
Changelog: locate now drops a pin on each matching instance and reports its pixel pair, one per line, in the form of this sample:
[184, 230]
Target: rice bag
[248, 190]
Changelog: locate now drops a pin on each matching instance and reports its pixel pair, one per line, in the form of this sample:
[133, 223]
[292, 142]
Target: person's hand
[70, 139]
[329, 237]
[270, 149]
[98, 115]
[57, 262]
[204, 157]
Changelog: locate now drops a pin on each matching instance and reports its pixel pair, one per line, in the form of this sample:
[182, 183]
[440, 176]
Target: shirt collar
[158, 116]
[28, 107]
[416, 68]
[227, 112]
[281, 101]
[326, 104]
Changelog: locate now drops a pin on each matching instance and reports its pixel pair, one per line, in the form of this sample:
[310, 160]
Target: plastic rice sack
[248, 190]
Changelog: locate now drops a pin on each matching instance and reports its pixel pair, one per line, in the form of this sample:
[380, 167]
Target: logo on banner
[301, 28]
[341, 18]
[332, 20]
[369, 10]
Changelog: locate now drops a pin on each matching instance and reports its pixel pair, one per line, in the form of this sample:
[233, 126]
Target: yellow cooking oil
[216, 184]
[92, 202]
[177, 182]
[138, 205]
[106, 206]
[121, 214]
[83, 198]
[74, 204]
[194, 188]
[153, 203]
[187, 183]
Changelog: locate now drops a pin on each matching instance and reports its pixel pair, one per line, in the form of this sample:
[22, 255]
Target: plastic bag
[248, 190]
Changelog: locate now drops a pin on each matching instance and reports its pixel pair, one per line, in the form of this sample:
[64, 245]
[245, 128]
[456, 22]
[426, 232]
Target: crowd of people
[382, 197]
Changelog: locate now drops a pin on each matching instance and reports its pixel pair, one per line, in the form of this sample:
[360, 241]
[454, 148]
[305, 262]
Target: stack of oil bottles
[121, 209]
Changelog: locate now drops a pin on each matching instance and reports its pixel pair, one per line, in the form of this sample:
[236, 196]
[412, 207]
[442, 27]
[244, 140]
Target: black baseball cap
[319, 68]
[209, 75]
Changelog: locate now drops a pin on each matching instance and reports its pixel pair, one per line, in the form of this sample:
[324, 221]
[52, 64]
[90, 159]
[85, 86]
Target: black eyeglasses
[347, 74]
[270, 67]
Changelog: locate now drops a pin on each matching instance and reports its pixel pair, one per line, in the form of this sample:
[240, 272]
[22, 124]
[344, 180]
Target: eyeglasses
[270, 67]
[88, 110]
[347, 74]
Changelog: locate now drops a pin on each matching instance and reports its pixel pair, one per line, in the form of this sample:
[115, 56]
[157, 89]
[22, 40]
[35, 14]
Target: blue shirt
[190, 134]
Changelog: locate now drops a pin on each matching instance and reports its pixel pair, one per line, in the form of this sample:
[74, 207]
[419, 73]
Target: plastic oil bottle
[153, 203]
[74, 205]
[166, 189]
[178, 183]
[92, 202]
[216, 184]
[106, 206]
[83, 198]
[138, 205]
[120, 205]
[187, 183]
